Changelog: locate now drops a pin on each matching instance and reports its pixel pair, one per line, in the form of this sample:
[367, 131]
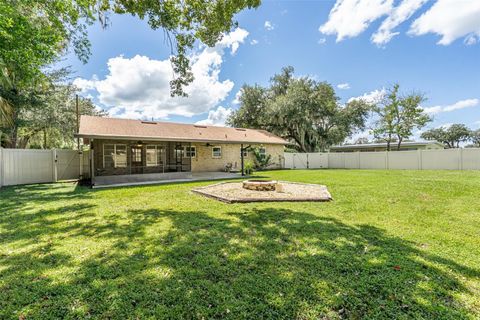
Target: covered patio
[161, 178]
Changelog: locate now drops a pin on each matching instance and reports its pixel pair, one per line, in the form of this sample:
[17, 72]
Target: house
[372, 147]
[124, 150]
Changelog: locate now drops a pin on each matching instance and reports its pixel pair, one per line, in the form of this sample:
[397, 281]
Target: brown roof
[99, 127]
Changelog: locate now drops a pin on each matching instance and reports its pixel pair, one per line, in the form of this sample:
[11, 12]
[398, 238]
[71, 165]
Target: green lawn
[393, 244]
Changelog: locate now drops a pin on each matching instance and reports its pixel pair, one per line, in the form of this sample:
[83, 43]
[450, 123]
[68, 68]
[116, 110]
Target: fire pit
[260, 185]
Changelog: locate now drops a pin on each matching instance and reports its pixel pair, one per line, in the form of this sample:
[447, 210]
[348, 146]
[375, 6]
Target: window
[216, 152]
[262, 151]
[155, 155]
[151, 156]
[120, 156]
[190, 152]
[114, 156]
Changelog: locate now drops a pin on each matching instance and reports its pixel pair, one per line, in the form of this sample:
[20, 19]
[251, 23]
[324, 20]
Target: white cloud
[349, 18]
[397, 16]
[462, 104]
[322, 41]
[233, 40]
[140, 87]
[236, 100]
[451, 19]
[85, 85]
[254, 42]
[216, 117]
[374, 96]
[269, 26]
[343, 86]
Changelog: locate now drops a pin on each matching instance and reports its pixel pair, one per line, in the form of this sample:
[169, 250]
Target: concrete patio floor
[161, 178]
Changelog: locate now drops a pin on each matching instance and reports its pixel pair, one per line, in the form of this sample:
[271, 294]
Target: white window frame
[114, 157]
[213, 152]
[186, 152]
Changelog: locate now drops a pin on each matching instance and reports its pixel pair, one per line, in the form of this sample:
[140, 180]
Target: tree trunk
[400, 139]
[45, 139]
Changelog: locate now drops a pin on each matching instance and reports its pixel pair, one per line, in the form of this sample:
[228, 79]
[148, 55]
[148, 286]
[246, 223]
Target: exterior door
[136, 159]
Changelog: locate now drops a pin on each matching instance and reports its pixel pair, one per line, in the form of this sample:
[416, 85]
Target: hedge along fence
[24, 166]
[448, 159]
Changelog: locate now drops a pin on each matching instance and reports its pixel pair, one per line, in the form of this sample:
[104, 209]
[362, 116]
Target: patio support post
[92, 164]
[241, 158]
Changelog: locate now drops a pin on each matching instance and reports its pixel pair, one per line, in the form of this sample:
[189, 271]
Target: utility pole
[78, 121]
[241, 157]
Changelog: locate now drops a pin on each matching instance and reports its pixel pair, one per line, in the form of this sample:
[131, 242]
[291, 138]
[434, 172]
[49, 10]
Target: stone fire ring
[233, 192]
[259, 185]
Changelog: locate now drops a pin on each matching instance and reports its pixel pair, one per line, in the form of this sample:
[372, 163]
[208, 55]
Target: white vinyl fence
[449, 159]
[23, 166]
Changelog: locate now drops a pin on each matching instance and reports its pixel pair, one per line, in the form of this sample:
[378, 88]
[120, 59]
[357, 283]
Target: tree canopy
[35, 34]
[451, 136]
[301, 110]
[397, 116]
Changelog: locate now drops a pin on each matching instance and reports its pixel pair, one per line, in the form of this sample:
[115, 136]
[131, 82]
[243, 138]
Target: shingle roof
[384, 144]
[100, 127]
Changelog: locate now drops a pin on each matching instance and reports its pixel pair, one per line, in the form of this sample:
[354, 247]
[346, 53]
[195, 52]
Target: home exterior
[166, 150]
[373, 147]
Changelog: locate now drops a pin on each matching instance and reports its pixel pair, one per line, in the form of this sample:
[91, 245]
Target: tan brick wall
[231, 154]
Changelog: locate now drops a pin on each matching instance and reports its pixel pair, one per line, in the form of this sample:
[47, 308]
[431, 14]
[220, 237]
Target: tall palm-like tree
[5, 107]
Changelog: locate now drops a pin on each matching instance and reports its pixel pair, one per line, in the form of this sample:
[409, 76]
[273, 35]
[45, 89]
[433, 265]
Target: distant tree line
[452, 136]
[309, 114]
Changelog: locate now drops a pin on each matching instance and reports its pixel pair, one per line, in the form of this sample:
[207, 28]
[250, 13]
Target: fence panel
[373, 160]
[441, 159]
[68, 164]
[351, 160]
[22, 166]
[317, 160]
[471, 159]
[406, 160]
[336, 160]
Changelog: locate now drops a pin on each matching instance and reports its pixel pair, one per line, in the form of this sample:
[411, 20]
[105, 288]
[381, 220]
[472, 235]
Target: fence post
[387, 160]
[54, 165]
[358, 160]
[308, 165]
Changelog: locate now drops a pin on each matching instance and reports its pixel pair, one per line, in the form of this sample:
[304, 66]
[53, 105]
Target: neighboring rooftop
[408, 144]
[114, 128]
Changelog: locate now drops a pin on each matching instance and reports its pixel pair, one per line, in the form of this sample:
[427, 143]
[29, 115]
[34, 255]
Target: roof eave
[120, 137]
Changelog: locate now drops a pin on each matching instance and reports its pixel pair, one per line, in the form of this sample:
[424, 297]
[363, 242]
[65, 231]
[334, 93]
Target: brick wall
[204, 160]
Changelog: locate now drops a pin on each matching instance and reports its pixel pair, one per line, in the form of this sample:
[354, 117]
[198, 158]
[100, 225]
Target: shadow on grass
[268, 263]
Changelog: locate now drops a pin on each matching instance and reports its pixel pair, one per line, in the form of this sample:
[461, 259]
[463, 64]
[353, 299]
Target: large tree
[45, 115]
[302, 110]
[397, 116]
[35, 34]
[451, 136]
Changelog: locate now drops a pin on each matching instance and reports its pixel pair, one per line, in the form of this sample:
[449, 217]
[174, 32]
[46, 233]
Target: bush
[262, 161]
[248, 167]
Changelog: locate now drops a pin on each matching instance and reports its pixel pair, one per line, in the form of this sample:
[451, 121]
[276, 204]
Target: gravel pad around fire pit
[231, 192]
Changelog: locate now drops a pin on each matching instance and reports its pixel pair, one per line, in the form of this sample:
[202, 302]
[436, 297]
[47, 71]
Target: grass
[393, 244]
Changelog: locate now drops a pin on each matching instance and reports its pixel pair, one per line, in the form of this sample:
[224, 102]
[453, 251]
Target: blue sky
[427, 46]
